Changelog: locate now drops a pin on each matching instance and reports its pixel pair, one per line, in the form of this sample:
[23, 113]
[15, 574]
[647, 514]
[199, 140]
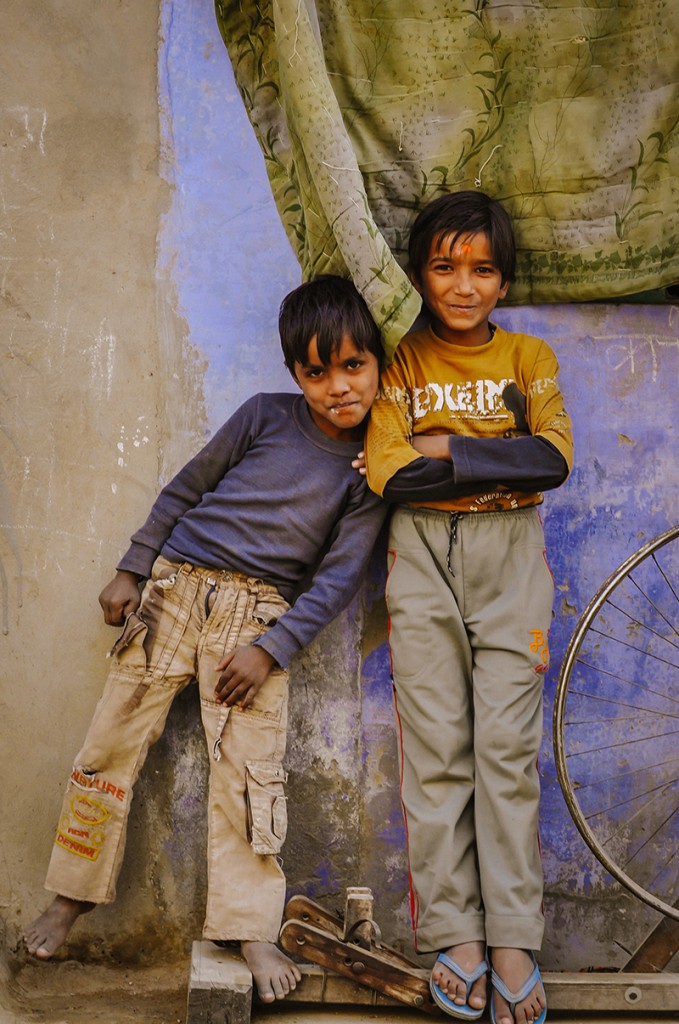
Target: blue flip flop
[516, 997]
[464, 1011]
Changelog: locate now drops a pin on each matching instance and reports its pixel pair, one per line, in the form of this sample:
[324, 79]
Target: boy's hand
[243, 672]
[120, 597]
[359, 463]
[434, 446]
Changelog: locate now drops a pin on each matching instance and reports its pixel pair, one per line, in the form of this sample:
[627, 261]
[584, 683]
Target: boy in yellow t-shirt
[467, 431]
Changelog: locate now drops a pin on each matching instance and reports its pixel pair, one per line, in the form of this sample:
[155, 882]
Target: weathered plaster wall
[94, 361]
[143, 263]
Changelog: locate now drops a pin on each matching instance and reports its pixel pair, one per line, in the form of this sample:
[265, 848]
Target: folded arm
[535, 453]
[452, 466]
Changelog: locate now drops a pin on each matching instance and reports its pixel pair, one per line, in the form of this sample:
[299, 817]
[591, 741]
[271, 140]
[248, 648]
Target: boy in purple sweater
[226, 552]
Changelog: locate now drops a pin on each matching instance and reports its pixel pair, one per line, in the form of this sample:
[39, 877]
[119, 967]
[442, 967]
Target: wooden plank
[220, 986]
[591, 993]
[656, 951]
[321, 986]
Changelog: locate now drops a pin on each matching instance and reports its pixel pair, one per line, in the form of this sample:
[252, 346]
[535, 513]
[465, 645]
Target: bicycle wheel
[616, 724]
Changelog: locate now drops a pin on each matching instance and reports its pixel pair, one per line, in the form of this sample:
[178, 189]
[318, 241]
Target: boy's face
[460, 287]
[339, 395]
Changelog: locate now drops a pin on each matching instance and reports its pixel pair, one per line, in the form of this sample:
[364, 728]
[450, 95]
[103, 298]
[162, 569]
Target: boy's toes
[266, 992]
[280, 988]
[477, 996]
[458, 994]
[284, 984]
[502, 1012]
[274, 974]
[530, 1010]
[277, 989]
[451, 986]
[454, 980]
[526, 1012]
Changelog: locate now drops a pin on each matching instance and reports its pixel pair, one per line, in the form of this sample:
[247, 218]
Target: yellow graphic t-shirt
[433, 387]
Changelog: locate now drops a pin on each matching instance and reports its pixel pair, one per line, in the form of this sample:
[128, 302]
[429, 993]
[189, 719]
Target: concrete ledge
[613, 993]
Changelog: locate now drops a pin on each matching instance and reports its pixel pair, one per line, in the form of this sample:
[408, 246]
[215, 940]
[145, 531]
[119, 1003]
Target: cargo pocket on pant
[267, 611]
[129, 647]
[267, 807]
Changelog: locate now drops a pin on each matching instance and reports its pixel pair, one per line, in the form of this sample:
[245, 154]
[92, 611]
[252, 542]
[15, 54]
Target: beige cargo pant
[469, 615]
[189, 617]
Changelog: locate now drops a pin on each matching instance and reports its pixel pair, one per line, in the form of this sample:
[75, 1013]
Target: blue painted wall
[224, 248]
[222, 240]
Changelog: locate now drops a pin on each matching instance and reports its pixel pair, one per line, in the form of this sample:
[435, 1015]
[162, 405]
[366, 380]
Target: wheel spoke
[630, 682]
[616, 715]
[632, 647]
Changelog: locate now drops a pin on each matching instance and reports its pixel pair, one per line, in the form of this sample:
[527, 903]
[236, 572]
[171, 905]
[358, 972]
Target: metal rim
[563, 775]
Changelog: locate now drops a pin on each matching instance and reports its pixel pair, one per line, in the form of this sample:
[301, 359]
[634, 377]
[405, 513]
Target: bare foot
[468, 955]
[514, 966]
[275, 975]
[44, 935]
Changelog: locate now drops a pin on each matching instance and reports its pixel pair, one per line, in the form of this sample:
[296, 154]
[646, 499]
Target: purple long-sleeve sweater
[274, 497]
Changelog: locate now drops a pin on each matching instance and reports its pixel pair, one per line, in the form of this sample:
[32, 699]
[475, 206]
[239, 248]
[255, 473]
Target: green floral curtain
[565, 110]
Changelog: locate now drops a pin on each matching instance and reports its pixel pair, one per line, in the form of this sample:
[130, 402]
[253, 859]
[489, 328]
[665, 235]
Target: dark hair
[328, 307]
[457, 214]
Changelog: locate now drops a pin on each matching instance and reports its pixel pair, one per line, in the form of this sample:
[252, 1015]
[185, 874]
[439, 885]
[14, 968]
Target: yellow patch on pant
[88, 811]
[82, 833]
[540, 645]
[75, 846]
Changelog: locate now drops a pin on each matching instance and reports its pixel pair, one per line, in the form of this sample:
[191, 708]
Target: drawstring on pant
[212, 586]
[454, 518]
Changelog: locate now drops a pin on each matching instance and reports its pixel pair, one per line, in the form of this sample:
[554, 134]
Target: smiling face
[460, 286]
[339, 394]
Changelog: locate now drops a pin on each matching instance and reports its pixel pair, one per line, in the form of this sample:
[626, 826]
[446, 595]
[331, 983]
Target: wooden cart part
[657, 949]
[366, 966]
[349, 929]
[351, 946]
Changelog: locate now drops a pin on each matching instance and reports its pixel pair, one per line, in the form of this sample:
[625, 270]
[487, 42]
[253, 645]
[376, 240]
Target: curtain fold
[566, 111]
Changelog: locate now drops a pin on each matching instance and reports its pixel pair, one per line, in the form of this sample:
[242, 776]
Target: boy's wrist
[133, 576]
[259, 647]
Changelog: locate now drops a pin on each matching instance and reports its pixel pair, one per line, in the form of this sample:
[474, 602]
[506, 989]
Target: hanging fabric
[567, 113]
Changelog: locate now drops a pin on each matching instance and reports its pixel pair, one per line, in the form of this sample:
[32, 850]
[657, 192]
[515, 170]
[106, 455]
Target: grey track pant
[470, 603]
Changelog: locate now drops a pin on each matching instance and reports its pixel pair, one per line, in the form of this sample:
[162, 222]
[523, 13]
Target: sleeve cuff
[280, 644]
[462, 470]
[138, 559]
